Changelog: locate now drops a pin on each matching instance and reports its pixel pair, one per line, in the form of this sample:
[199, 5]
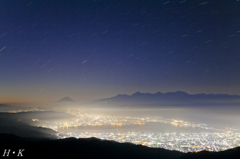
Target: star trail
[92, 49]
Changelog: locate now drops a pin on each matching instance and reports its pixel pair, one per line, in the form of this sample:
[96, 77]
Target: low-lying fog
[219, 117]
[216, 117]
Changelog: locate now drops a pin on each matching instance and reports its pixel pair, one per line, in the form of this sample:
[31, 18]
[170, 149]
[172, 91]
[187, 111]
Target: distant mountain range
[178, 98]
[66, 99]
[96, 148]
[4, 105]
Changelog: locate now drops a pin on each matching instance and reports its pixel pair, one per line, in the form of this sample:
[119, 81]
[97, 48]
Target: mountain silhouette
[4, 105]
[178, 98]
[66, 99]
[21, 124]
[96, 148]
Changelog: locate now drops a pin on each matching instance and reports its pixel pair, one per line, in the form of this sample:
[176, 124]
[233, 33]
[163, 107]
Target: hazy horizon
[82, 102]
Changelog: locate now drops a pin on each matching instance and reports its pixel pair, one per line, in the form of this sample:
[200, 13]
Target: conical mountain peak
[66, 99]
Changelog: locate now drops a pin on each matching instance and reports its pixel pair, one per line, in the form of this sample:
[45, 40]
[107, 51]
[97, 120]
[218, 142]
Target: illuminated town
[184, 142]
[214, 140]
[217, 140]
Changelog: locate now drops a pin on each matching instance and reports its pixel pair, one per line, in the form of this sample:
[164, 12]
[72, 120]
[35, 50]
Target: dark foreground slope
[80, 148]
[19, 123]
[94, 148]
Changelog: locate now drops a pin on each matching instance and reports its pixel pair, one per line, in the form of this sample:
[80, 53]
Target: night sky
[92, 49]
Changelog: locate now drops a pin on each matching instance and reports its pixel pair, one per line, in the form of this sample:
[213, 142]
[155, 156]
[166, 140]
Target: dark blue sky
[93, 49]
